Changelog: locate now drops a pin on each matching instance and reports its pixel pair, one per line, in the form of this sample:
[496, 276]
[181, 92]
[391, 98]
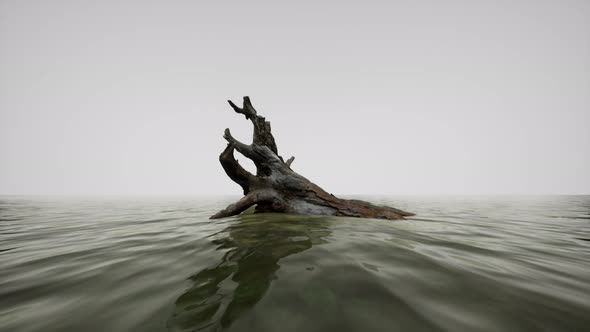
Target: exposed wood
[290, 161]
[276, 187]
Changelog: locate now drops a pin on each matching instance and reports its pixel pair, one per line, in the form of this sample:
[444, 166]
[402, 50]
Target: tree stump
[276, 187]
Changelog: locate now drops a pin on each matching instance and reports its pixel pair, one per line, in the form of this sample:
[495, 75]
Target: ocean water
[159, 264]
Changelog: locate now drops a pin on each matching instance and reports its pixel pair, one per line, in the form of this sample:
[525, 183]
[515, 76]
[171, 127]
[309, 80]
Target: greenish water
[158, 264]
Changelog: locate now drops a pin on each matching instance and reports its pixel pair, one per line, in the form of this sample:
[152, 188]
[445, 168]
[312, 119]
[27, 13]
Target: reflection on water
[157, 264]
[253, 248]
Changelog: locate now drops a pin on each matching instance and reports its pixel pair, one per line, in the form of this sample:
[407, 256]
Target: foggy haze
[371, 97]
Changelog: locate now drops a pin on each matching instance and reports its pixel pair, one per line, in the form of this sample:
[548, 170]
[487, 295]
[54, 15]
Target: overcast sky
[372, 97]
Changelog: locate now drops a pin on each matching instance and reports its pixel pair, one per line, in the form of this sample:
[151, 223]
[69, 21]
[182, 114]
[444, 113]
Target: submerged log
[276, 187]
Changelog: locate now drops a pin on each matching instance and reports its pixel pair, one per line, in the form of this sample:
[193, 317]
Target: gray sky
[372, 97]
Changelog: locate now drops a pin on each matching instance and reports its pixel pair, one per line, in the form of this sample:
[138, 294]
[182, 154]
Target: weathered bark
[276, 187]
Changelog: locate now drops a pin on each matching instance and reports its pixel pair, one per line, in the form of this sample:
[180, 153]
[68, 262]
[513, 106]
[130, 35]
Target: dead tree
[276, 187]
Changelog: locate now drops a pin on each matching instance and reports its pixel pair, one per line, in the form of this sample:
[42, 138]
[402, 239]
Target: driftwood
[276, 187]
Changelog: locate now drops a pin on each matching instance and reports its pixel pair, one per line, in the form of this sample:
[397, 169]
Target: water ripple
[462, 264]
